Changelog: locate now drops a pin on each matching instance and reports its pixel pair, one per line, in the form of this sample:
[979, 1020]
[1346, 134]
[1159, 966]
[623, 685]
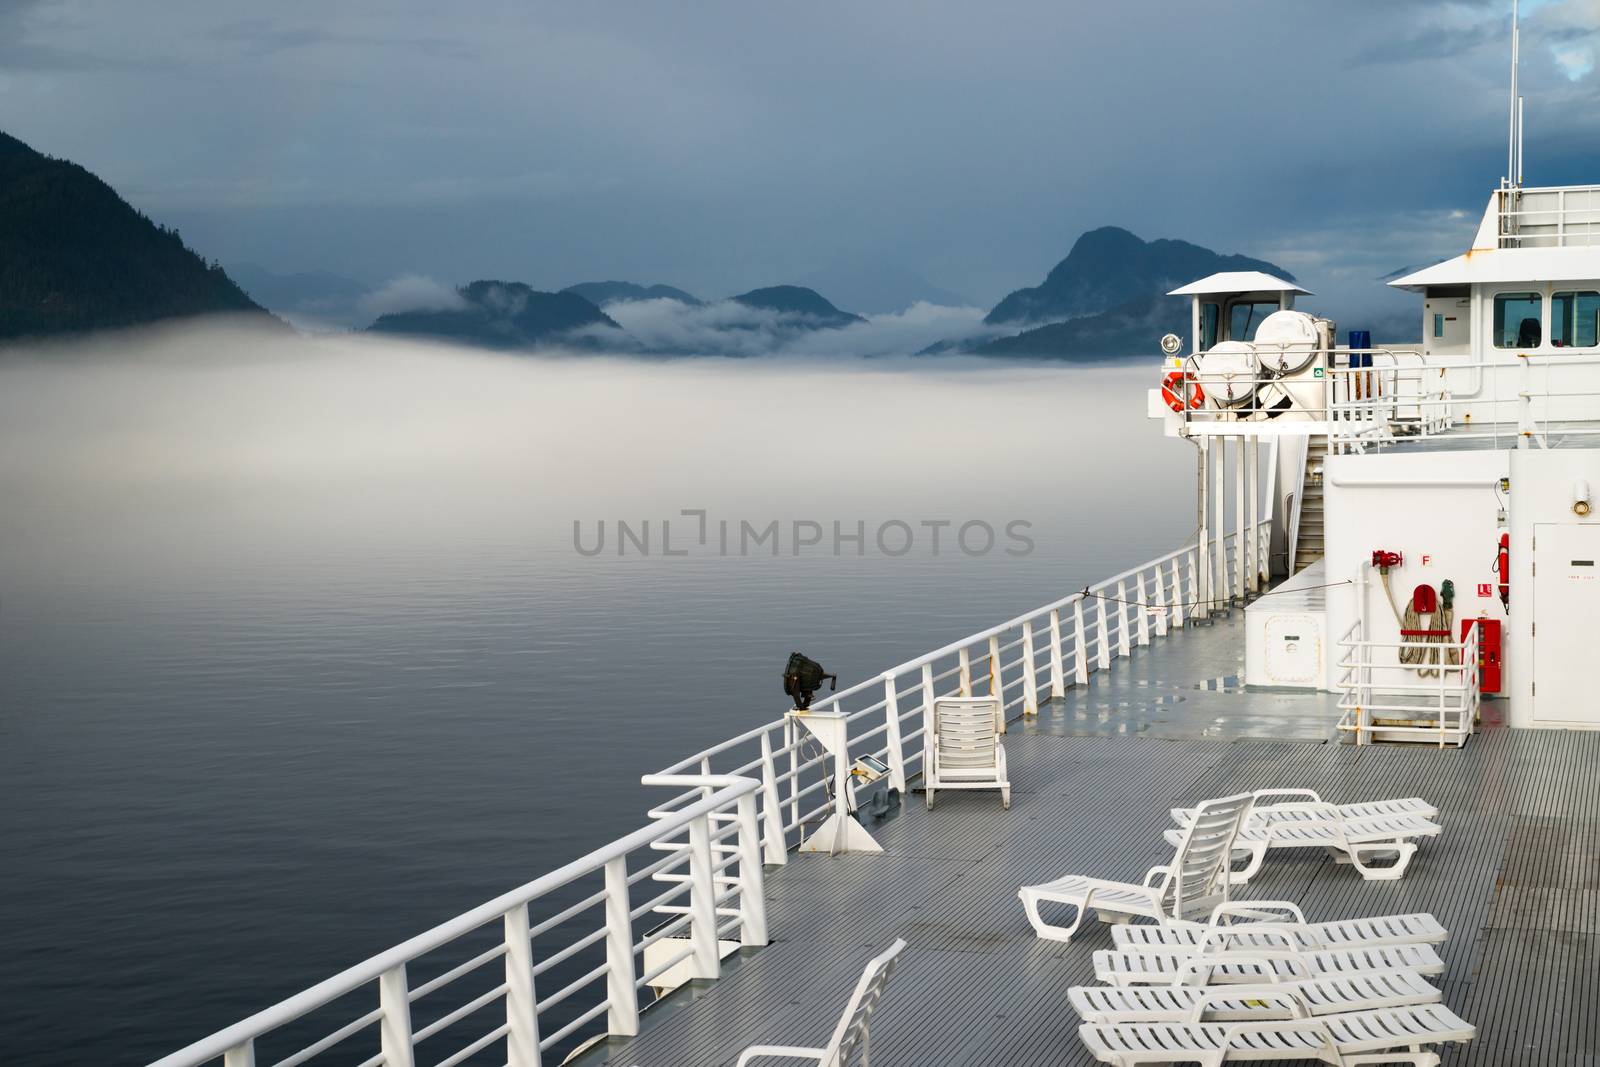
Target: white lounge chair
[850, 1037]
[962, 749]
[1194, 883]
[1372, 809]
[1240, 1003]
[1125, 967]
[1393, 1035]
[1292, 931]
[1356, 840]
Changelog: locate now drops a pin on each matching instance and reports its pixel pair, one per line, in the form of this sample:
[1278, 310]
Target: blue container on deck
[1360, 339]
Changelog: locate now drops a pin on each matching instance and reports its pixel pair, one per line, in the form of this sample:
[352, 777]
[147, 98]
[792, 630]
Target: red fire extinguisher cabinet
[1488, 652]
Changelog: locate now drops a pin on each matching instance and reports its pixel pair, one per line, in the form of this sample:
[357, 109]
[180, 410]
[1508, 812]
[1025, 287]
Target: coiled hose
[1438, 630]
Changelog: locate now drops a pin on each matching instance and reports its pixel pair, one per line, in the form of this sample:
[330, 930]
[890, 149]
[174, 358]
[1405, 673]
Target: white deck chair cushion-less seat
[1193, 884]
[1292, 932]
[849, 1044]
[962, 748]
[1355, 833]
[1392, 1035]
[1367, 991]
[1122, 967]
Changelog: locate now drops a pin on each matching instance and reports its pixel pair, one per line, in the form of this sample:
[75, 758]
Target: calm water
[297, 657]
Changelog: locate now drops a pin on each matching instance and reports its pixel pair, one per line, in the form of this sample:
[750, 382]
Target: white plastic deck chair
[1367, 991]
[1281, 924]
[962, 749]
[849, 1045]
[1392, 1035]
[1356, 834]
[1194, 883]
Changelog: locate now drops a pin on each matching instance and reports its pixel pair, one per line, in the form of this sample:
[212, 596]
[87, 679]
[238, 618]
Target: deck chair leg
[1404, 850]
[1044, 930]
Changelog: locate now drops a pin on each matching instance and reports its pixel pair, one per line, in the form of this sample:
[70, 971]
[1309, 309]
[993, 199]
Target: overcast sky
[722, 145]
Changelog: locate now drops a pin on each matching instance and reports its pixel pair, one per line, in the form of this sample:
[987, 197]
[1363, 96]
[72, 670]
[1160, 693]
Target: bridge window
[1244, 318]
[1210, 315]
[1575, 319]
[1516, 320]
[1438, 325]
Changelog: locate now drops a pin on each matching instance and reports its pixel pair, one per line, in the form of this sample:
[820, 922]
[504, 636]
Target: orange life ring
[1172, 390]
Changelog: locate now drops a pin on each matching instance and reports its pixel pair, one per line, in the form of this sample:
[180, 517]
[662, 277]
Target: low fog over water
[298, 655]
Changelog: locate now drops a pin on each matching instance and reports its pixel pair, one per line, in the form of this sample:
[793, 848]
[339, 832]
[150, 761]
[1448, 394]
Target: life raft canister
[1172, 390]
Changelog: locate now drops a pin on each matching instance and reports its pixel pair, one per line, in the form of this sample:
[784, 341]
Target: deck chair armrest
[1264, 794]
[1211, 995]
[783, 1052]
[1256, 911]
[1150, 875]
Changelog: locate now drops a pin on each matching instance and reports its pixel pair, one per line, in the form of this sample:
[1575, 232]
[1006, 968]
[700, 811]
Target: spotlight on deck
[802, 677]
[1171, 343]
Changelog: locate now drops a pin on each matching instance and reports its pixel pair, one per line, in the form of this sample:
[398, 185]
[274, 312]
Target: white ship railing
[714, 874]
[1554, 217]
[1381, 698]
[1402, 395]
[1024, 662]
[715, 833]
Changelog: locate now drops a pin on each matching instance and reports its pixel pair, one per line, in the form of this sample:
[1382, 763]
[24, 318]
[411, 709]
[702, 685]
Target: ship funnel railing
[473, 984]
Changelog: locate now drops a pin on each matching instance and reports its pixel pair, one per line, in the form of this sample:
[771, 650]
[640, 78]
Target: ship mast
[1514, 137]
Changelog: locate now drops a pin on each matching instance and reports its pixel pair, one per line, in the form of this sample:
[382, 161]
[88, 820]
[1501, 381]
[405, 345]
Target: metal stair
[1308, 544]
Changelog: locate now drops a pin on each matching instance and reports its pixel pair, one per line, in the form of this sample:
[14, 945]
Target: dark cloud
[724, 144]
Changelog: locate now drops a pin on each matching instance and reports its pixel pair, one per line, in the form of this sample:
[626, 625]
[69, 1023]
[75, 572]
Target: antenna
[1514, 136]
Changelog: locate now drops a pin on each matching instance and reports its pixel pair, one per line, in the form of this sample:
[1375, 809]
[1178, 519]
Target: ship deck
[1515, 876]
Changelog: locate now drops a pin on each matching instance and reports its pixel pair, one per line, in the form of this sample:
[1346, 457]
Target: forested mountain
[74, 256]
[509, 315]
[602, 293]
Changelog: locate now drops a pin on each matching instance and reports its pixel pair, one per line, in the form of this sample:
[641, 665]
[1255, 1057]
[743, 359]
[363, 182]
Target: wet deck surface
[1515, 877]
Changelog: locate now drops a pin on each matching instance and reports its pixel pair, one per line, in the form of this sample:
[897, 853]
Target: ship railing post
[1241, 553]
[394, 1022]
[792, 746]
[997, 687]
[966, 671]
[706, 962]
[1030, 684]
[1195, 586]
[1103, 642]
[1058, 683]
[777, 851]
[241, 1055]
[1160, 603]
[752, 879]
[1080, 645]
[622, 990]
[927, 713]
[891, 718]
[1253, 494]
[1175, 576]
[1141, 608]
[1124, 620]
[522, 1006]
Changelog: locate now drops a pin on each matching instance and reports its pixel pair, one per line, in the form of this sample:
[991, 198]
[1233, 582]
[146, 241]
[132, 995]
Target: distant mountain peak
[1108, 267]
[602, 293]
[504, 315]
[798, 300]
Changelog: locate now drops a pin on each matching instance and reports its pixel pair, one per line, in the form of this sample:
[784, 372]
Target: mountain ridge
[76, 257]
[1107, 267]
